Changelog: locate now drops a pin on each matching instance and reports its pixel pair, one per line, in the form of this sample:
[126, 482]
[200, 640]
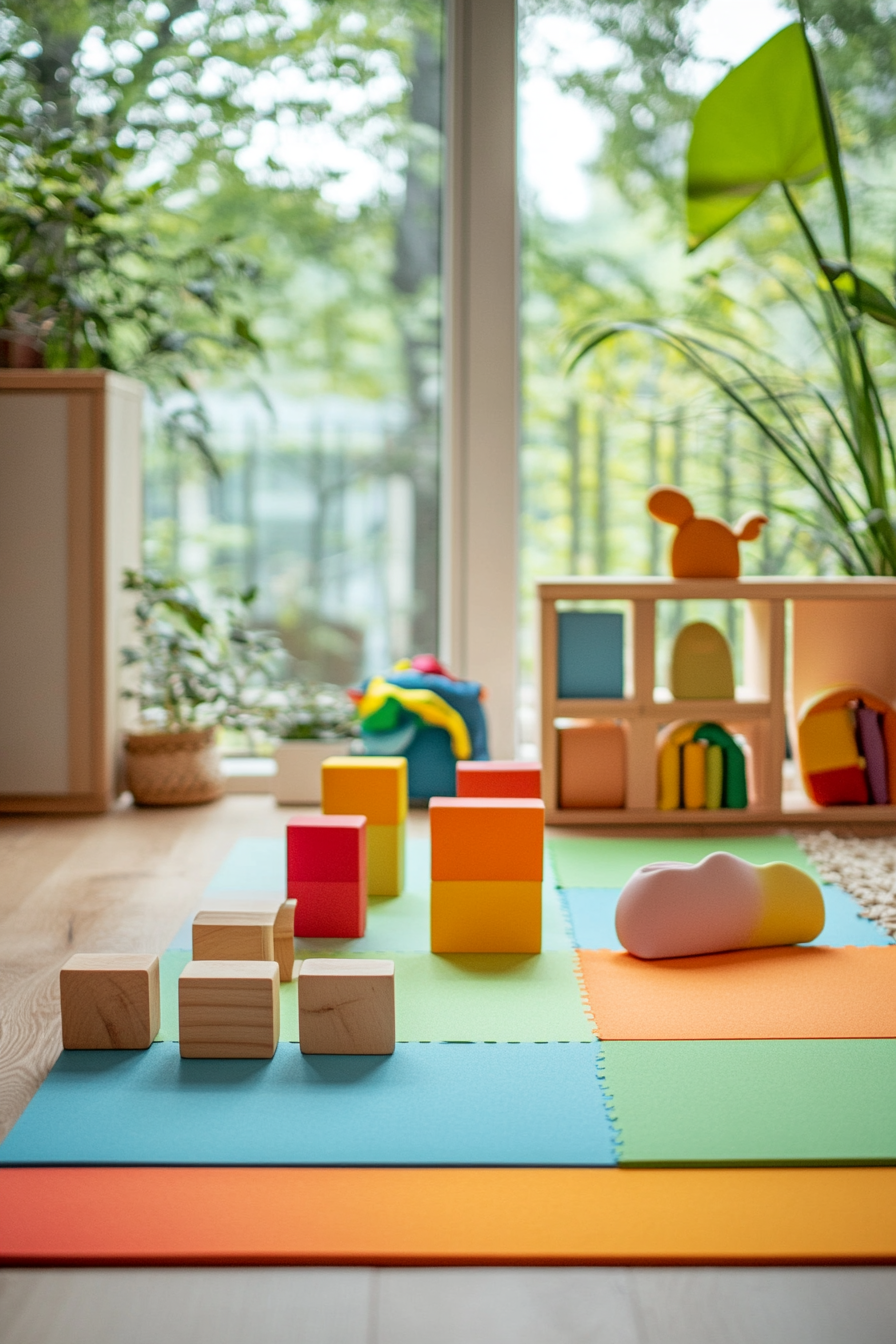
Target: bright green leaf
[865, 295]
[760, 125]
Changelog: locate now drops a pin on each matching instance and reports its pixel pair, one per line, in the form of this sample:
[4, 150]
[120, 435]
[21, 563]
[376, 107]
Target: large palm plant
[770, 121]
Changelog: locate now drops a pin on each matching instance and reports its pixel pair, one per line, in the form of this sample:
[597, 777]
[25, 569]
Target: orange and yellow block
[487, 868]
[375, 787]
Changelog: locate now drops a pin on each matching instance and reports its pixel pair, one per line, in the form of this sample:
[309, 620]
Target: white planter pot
[298, 768]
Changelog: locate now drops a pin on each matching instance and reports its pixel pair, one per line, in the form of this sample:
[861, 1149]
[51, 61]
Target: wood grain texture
[229, 1009]
[284, 945]
[347, 1007]
[444, 1306]
[109, 1001]
[121, 882]
[234, 935]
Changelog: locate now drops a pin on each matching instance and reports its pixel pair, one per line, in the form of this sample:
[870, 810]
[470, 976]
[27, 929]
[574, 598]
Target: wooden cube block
[374, 786]
[498, 779]
[330, 909]
[229, 1009]
[234, 935]
[284, 916]
[485, 917]
[109, 1001]
[284, 946]
[385, 860]
[592, 765]
[325, 849]
[488, 839]
[347, 1007]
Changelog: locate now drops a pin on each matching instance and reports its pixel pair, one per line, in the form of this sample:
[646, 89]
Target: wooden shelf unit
[840, 630]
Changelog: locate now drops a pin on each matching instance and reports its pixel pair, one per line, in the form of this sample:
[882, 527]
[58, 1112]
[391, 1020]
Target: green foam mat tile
[752, 1103]
[487, 997]
[588, 861]
[394, 923]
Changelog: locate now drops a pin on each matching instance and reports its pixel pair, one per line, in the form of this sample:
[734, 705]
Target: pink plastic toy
[718, 905]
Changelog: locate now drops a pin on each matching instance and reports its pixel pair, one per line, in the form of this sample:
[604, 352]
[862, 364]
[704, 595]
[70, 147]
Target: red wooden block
[847, 785]
[325, 849]
[498, 779]
[330, 909]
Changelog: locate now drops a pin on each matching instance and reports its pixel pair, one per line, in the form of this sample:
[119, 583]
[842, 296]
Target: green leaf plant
[770, 122]
[93, 274]
[196, 668]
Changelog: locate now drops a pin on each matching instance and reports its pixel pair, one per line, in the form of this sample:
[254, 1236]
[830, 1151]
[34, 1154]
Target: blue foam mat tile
[426, 1105]
[591, 912]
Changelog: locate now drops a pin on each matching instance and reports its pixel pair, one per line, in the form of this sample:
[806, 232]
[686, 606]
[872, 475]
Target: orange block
[592, 765]
[495, 839]
[375, 787]
[769, 993]
[445, 1216]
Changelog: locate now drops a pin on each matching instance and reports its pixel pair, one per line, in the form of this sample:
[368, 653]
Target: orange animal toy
[703, 548]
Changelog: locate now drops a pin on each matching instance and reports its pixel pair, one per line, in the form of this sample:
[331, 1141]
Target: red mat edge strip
[432, 1216]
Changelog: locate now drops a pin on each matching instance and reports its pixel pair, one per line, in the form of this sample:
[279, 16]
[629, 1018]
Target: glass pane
[607, 96]
[296, 148]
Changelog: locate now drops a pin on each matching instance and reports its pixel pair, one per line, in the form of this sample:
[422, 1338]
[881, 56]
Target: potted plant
[313, 722]
[194, 674]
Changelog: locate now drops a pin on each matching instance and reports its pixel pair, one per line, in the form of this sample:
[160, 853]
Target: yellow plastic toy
[703, 547]
[702, 668]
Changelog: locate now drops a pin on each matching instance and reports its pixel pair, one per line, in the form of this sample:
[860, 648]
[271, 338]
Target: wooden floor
[124, 882]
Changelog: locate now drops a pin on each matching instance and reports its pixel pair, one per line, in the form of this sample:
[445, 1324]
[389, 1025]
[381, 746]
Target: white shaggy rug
[865, 867]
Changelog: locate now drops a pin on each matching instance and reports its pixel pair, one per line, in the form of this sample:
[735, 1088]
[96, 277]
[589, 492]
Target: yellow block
[669, 764]
[693, 774]
[385, 860]
[375, 787]
[715, 775]
[827, 741]
[485, 916]
[701, 664]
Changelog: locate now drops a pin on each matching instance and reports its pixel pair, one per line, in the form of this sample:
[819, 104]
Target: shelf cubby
[800, 636]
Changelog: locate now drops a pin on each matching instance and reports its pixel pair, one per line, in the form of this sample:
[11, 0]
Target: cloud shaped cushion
[718, 905]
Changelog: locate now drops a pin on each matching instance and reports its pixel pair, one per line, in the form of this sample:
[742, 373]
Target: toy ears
[670, 505]
[749, 527]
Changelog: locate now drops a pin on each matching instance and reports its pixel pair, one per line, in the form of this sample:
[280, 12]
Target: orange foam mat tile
[769, 993]
[263, 1215]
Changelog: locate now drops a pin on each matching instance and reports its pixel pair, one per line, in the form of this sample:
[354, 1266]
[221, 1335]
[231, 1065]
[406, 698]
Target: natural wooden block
[234, 935]
[592, 764]
[485, 917]
[492, 839]
[498, 779]
[284, 946]
[375, 787]
[229, 1009]
[385, 860]
[109, 1001]
[347, 1007]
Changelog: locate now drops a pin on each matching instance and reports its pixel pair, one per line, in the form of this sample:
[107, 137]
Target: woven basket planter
[174, 769]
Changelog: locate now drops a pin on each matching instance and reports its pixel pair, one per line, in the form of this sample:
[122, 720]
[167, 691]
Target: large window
[607, 95]
[295, 151]
[326, 493]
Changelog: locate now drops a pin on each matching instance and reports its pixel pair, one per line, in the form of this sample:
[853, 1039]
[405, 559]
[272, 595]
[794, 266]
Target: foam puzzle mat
[709, 1090]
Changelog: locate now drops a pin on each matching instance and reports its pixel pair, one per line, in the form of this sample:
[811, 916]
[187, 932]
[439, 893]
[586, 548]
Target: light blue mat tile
[426, 1105]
